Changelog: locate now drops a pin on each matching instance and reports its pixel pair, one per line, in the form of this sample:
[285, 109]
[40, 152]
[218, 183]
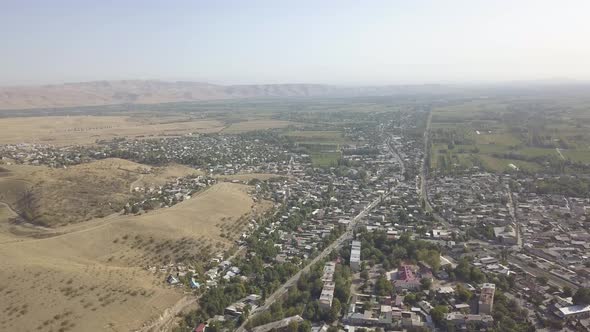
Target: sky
[321, 41]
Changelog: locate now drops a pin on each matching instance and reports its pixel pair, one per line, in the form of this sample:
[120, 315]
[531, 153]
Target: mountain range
[98, 93]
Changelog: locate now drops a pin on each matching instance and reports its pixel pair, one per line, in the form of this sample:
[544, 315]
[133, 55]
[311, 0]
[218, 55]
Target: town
[368, 241]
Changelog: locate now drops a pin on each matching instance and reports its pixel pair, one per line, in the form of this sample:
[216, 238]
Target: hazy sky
[342, 42]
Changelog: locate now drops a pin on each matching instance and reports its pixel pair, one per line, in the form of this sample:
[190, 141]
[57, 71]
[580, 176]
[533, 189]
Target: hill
[93, 276]
[51, 197]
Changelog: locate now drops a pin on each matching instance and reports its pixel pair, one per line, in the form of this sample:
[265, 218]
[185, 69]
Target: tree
[365, 275]
[567, 291]
[582, 296]
[410, 299]
[305, 326]
[430, 257]
[335, 310]
[383, 287]
[438, 314]
[463, 294]
[293, 327]
[542, 280]
[426, 283]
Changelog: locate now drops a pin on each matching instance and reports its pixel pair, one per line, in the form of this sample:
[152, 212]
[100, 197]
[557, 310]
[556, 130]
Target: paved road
[512, 211]
[424, 168]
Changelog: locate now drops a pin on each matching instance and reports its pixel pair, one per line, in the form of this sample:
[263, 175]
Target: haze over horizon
[266, 42]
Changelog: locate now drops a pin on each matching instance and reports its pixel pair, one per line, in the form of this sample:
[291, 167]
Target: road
[169, 316]
[424, 168]
[10, 209]
[511, 209]
[560, 154]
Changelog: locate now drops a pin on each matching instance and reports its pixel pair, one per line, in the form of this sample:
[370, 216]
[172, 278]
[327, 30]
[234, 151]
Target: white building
[355, 256]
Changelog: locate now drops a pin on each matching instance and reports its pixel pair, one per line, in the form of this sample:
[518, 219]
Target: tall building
[355, 256]
[486, 299]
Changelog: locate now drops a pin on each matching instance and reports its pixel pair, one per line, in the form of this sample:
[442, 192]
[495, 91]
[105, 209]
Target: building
[355, 256]
[468, 322]
[574, 311]
[327, 295]
[506, 235]
[329, 270]
[200, 328]
[486, 298]
[406, 279]
[237, 308]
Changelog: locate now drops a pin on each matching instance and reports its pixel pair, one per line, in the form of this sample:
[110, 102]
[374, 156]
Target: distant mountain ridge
[98, 93]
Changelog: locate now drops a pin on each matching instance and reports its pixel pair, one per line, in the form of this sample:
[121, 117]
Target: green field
[323, 146]
[493, 134]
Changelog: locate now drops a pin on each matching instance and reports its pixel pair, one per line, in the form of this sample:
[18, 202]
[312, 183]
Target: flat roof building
[355, 256]
[486, 298]
[327, 295]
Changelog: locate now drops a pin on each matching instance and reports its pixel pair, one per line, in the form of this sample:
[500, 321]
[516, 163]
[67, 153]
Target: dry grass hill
[53, 197]
[93, 277]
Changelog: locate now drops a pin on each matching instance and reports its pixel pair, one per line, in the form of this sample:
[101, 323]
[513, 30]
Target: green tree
[426, 283]
[463, 294]
[335, 310]
[542, 280]
[582, 296]
[438, 314]
[293, 327]
[305, 326]
[383, 287]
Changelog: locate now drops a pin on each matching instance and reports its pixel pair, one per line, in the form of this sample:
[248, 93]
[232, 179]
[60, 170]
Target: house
[574, 311]
[172, 280]
[200, 328]
[406, 279]
[506, 235]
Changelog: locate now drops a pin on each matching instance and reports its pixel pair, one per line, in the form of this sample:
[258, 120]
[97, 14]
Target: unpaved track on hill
[14, 214]
[166, 320]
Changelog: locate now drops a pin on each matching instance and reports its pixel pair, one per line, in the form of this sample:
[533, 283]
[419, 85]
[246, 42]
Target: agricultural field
[93, 275]
[66, 130]
[509, 135]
